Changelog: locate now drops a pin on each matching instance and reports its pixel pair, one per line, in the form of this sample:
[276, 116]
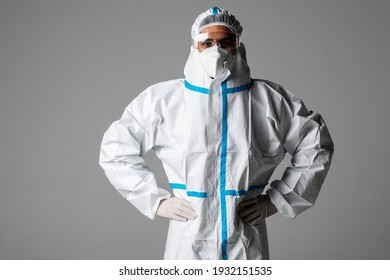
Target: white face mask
[216, 61]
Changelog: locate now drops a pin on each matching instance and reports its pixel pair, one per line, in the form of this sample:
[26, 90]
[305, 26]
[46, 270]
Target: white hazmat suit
[219, 141]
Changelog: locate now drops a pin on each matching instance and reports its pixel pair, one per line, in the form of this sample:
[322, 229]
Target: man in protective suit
[219, 134]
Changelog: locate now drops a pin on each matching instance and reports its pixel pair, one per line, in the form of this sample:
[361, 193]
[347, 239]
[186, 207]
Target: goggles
[225, 40]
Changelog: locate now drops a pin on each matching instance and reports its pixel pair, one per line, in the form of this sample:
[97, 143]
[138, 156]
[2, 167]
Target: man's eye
[226, 43]
[207, 44]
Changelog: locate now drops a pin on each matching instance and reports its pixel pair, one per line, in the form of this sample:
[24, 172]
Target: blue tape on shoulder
[195, 88]
[239, 88]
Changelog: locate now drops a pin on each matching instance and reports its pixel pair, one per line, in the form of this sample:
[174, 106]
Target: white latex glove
[254, 210]
[177, 209]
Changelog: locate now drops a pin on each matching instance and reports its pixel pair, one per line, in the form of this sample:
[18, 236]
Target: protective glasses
[228, 41]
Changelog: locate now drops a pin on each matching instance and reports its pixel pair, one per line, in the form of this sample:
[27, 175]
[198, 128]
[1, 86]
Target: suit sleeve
[122, 148]
[305, 136]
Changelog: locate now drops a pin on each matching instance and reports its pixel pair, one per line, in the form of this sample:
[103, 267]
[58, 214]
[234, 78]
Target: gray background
[69, 68]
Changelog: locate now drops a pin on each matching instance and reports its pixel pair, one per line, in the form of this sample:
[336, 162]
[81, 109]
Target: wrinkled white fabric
[219, 141]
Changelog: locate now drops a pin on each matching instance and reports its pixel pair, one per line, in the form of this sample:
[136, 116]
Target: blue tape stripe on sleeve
[177, 186]
[195, 88]
[239, 88]
[197, 194]
[235, 193]
[189, 193]
[223, 170]
[244, 192]
[215, 10]
[256, 187]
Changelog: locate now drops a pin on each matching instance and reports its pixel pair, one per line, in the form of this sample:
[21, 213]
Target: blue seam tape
[177, 186]
[197, 194]
[223, 170]
[206, 90]
[189, 193]
[239, 88]
[195, 88]
[243, 192]
[256, 187]
[235, 193]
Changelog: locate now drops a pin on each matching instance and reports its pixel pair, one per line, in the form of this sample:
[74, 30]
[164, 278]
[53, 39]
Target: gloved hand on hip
[254, 210]
[177, 209]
